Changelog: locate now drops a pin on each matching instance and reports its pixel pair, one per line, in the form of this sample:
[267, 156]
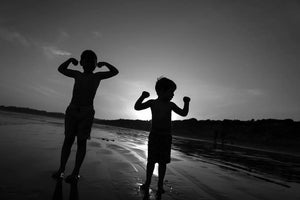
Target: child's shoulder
[160, 104]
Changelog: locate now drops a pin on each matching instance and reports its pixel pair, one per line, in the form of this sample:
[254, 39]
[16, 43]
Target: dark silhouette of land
[32, 111]
[272, 134]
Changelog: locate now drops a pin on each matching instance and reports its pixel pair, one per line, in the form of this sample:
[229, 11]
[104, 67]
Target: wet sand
[114, 166]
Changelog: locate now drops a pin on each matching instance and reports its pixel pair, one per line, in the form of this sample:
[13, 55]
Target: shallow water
[114, 167]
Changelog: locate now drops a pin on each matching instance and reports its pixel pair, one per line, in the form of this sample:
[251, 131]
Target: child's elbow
[184, 114]
[138, 107]
[116, 72]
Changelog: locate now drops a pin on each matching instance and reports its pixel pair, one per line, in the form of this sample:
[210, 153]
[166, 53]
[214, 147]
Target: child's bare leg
[80, 155]
[161, 175]
[65, 152]
[149, 172]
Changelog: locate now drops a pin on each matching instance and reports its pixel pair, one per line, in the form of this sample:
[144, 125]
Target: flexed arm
[139, 105]
[63, 68]
[185, 110]
[104, 75]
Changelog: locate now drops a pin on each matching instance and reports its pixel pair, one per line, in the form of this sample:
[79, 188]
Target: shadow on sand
[58, 191]
[150, 195]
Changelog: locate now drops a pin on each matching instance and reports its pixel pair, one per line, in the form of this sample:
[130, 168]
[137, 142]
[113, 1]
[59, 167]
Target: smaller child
[160, 137]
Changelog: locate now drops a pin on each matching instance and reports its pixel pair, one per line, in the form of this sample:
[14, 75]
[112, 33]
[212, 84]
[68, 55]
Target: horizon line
[61, 113]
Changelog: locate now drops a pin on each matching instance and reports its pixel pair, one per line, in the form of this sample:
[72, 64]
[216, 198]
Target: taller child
[80, 113]
[160, 137]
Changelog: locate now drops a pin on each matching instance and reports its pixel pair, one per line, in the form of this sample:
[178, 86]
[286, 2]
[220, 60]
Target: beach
[115, 163]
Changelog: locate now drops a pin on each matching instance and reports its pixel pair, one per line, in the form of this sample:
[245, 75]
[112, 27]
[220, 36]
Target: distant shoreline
[61, 115]
[273, 134]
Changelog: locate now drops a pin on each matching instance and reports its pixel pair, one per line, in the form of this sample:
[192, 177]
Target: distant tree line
[31, 111]
[281, 135]
[268, 133]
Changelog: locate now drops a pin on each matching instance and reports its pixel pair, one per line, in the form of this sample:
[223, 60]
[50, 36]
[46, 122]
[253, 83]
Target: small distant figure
[160, 137]
[224, 133]
[219, 134]
[80, 113]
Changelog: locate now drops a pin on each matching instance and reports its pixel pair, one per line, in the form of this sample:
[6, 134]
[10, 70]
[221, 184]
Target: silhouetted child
[80, 113]
[160, 137]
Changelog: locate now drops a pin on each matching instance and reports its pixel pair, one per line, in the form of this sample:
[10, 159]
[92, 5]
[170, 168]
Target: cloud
[97, 34]
[46, 91]
[52, 51]
[255, 92]
[62, 36]
[13, 36]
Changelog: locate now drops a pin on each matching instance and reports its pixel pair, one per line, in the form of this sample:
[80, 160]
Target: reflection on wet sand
[270, 164]
[58, 191]
[272, 167]
[115, 166]
[150, 194]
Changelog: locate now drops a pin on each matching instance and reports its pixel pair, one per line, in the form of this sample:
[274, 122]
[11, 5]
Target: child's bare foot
[160, 190]
[58, 175]
[72, 178]
[144, 187]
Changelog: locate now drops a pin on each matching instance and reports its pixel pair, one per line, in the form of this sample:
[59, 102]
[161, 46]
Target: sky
[235, 59]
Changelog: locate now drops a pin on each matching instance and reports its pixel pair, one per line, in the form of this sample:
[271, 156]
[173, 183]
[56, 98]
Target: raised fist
[101, 64]
[186, 99]
[145, 94]
[74, 61]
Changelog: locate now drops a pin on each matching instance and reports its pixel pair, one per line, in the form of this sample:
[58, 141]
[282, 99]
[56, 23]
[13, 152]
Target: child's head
[165, 88]
[88, 60]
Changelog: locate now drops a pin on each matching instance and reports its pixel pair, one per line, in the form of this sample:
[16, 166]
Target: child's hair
[88, 60]
[164, 84]
[89, 54]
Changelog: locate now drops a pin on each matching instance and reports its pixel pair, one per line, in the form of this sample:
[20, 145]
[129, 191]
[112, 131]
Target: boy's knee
[81, 142]
[150, 163]
[162, 164]
[69, 140]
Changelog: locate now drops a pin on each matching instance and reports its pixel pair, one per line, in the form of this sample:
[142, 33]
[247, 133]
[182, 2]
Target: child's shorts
[79, 121]
[159, 148]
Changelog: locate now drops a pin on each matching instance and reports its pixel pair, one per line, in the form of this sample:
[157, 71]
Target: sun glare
[146, 115]
[142, 114]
